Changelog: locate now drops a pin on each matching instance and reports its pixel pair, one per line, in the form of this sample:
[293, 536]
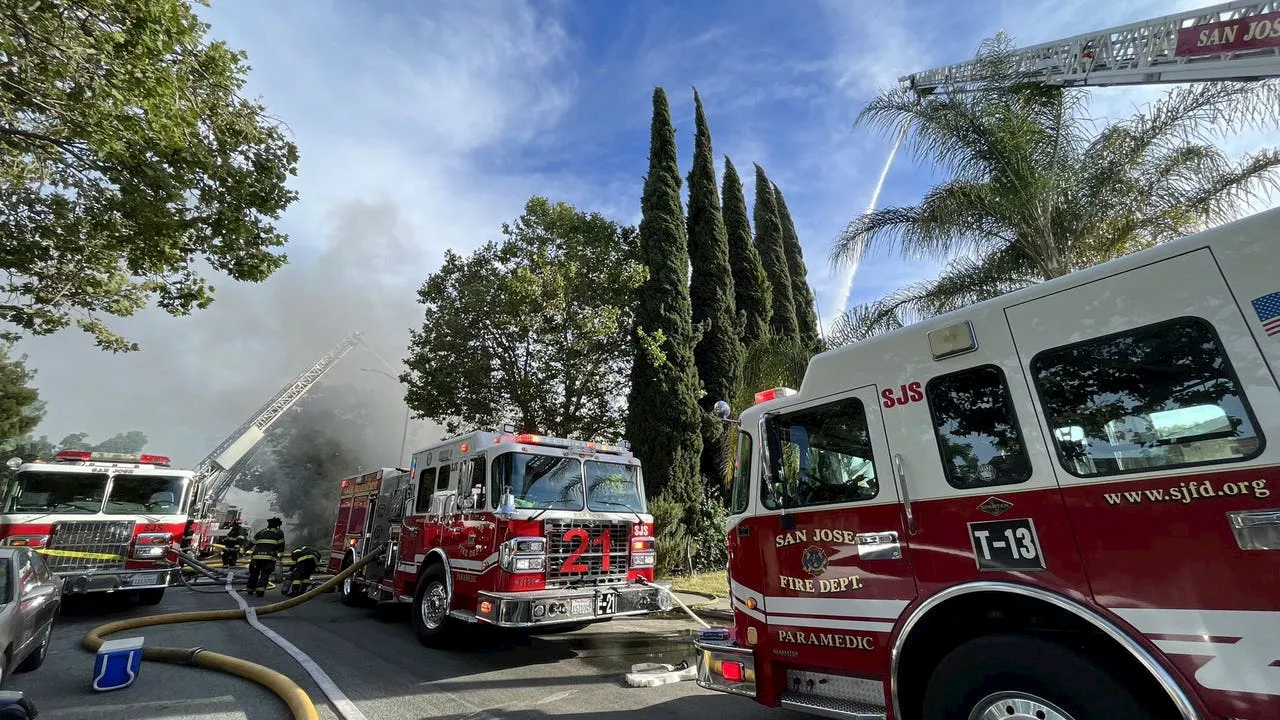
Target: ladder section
[1229, 41]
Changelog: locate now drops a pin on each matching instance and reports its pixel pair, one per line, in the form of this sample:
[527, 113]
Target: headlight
[530, 564]
[31, 541]
[531, 546]
[151, 545]
[523, 555]
[148, 551]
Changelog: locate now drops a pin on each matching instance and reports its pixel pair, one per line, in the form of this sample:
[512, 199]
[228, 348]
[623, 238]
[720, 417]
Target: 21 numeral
[571, 564]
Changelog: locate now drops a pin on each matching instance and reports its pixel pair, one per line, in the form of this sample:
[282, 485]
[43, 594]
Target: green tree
[1037, 192]
[751, 293]
[129, 442]
[663, 420]
[773, 257]
[802, 296]
[128, 157]
[533, 330]
[20, 406]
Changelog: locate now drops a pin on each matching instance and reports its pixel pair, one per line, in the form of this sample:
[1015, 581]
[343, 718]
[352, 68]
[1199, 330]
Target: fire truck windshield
[58, 492]
[150, 494]
[539, 481]
[613, 486]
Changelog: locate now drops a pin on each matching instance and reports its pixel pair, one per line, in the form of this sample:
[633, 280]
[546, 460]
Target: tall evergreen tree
[773, 257]
[663, 421]
[751, 294]
[801, 295]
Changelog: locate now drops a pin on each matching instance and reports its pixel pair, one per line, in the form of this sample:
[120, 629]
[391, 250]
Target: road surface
[381, 667]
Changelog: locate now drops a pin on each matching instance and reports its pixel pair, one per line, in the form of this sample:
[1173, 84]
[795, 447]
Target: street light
[404, 436]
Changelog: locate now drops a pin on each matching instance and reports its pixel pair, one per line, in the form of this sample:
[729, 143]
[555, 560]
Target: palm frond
[772, 361]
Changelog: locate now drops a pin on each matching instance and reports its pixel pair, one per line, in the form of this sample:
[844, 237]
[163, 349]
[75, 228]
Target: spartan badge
[994, 506]
[814, 560]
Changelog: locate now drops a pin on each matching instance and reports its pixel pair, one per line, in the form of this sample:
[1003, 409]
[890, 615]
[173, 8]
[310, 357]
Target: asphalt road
[381, 667]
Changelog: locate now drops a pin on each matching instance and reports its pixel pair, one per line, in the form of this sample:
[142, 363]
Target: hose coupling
[192, 656]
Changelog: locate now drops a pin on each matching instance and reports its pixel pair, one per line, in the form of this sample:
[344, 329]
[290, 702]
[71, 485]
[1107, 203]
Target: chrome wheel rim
[1016, 706]
[435, 604]
[346, 586]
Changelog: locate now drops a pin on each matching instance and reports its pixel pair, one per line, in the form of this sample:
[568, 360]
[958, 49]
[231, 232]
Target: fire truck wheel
[350, 591]
[1021, 677]
[431, 606]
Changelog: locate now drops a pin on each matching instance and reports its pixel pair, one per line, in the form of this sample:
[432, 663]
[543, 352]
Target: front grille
[586, 551]
[94, 537]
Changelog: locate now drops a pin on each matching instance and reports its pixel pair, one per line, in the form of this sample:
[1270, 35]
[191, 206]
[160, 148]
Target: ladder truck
[215, 473]
[870, 610]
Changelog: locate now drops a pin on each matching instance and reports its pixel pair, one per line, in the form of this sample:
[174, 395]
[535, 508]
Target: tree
[782, 315]
[663, 421]
[802, 296]
[20, 406]
[129, 442]
[533, 330]
[1036, 193]
[751, 293]
[128, 157]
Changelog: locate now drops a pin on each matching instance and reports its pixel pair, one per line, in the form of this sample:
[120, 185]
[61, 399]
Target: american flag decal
[1268, 309]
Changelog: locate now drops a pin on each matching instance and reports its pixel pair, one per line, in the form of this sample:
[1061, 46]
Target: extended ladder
[1230, 41]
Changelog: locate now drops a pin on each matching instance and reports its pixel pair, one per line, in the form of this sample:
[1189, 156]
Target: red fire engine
[104, 522]
[504, 529]
[1061, 503]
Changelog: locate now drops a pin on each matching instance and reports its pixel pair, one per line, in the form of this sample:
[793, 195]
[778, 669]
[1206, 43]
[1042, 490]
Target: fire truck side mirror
[722, 410]
[13, 463]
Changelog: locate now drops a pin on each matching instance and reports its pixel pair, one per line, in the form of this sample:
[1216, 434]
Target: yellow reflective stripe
[77, 554]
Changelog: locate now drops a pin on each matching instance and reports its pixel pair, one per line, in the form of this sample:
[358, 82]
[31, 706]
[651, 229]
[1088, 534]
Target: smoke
[197, 378]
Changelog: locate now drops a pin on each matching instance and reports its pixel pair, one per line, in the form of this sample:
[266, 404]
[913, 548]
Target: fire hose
[284, 687]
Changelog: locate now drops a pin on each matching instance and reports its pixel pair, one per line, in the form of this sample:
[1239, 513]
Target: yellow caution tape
[78, 554]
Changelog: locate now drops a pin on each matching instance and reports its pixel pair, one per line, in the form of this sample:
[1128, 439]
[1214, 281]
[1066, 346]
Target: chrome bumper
[711, 660]
[554, 607]
[75, 582]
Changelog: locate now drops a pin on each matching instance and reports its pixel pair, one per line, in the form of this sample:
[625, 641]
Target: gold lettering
[792, 583]
[1203, 39]
[832, 640]
[795, 537]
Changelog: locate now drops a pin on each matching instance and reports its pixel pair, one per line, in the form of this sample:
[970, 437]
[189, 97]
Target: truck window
[825, 459]
[426, 483]
[1160, 396]
[740, 492]
[151, 494]
[977, 429]
[60, 492]
[539, 481]
[613, 487]
[442, 481]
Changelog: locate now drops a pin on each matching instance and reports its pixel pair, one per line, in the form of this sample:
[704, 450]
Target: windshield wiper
[628, 508]
[548, 505]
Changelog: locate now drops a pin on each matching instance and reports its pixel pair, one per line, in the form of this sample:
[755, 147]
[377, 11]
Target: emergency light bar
[773, 394]
[88, 456]
[577, 446]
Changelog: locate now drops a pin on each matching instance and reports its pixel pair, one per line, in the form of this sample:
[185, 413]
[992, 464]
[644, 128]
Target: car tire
[151, 596]
[37, 656]
[1025, 676]
[431, 621]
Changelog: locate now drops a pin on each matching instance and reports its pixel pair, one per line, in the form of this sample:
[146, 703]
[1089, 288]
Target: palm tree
[1037, 192]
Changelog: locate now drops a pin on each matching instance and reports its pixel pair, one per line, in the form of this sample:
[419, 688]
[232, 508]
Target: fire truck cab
[104, 522]
[511, 530]
[1058, 504]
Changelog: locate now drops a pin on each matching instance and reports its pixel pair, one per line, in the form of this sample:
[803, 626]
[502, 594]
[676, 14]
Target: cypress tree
[751, 295]
[718, 355]
[663, 421]
[802, 296]
[774, 259]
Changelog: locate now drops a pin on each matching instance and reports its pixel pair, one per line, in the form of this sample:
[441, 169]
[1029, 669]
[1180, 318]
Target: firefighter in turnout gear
[267, 545]
[233, 543]
[305, 561]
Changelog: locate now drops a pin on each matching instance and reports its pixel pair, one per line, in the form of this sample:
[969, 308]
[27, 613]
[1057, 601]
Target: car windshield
[58, 492]
[613, 487]
[150, 494]
[539, 481]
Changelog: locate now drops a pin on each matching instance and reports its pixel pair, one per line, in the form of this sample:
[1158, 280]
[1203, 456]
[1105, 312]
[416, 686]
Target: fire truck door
[836, 572]
[1157, 401]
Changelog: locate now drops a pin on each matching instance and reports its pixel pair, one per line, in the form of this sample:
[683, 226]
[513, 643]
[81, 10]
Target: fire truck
[510, 530]
[1062, 503]
[104, 522]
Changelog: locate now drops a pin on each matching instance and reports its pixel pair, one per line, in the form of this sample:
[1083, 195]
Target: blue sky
[426, 125]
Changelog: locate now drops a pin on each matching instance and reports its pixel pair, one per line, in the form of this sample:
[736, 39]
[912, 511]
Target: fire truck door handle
[1256, 529]
[900, 475]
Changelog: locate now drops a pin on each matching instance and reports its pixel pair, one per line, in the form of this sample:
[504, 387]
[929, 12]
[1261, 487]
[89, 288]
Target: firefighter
[233, 543]
[305, 561]
[267, 545]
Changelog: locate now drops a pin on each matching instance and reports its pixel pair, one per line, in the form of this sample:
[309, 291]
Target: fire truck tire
[1022, 676]
[350, 591]
[431, 622]
[151, 596]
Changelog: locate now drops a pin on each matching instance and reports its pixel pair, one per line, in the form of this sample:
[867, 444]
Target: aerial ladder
[215, 473]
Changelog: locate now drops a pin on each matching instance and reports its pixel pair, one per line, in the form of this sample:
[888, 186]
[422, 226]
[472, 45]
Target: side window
[740, 495]
[977, 429]
[1161, 396]
[824, 457]
[42, 569]
[442, 483]
[426, 482]
[478, 467]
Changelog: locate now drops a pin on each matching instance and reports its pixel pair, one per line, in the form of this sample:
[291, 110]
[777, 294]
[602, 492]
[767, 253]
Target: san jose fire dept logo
[471, 546]
[814, 560]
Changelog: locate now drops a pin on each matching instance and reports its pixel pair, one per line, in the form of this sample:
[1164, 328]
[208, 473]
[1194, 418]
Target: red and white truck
[1060, 504]
[506, 529]
[104, 522]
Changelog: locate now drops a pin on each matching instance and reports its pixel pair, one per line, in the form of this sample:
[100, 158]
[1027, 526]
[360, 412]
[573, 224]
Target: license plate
[580, 606]
[607, 604]
[147, 579]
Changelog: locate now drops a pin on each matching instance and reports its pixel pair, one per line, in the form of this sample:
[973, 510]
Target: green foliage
[128, 157]
[773, 257]
[1037, 192]
[533, 330]
[20, 406]
[663, 420]
[802, 296]
[690, 542]
[751, 293]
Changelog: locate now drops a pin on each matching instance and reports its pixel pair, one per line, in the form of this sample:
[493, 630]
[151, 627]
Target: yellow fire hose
[288, 691]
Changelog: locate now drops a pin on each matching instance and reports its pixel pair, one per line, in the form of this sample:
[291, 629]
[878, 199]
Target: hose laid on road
[284, 687]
